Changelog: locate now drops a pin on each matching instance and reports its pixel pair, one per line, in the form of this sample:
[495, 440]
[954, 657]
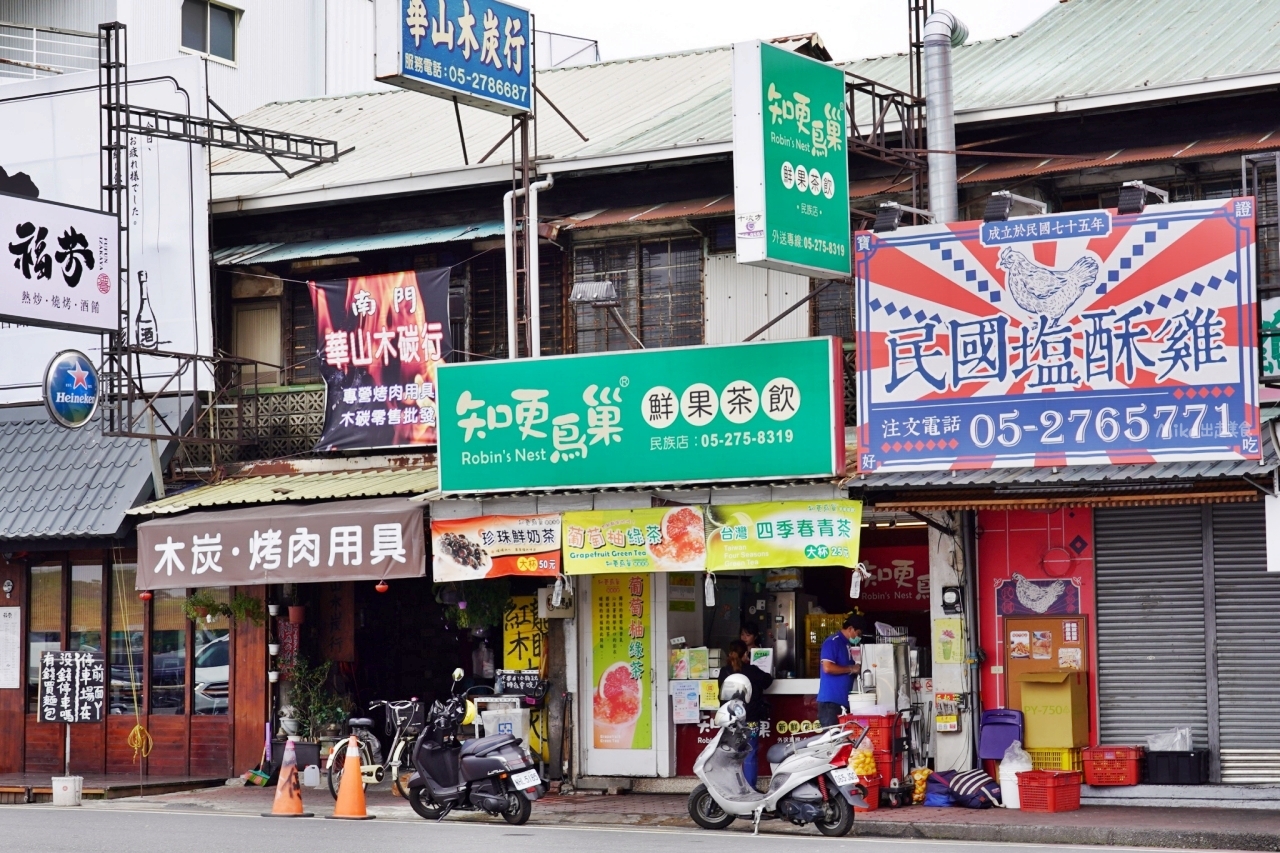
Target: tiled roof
[58, 483]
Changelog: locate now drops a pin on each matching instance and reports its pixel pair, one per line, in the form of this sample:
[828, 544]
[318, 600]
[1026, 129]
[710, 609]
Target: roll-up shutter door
[1151, 622]
[1247, 604]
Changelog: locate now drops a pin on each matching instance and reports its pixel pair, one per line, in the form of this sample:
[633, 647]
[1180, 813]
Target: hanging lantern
[145, 595]
[382, 586]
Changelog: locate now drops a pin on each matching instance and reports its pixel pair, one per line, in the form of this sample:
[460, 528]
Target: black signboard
[527, 682]
[72, 687]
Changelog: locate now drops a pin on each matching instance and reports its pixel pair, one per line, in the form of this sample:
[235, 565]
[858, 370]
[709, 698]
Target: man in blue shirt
[835, 682]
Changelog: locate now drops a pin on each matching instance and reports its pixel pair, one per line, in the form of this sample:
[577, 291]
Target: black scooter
[491, 774]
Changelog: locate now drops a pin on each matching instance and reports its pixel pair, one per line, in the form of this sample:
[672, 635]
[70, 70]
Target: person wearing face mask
[757, 708]
[835, 681]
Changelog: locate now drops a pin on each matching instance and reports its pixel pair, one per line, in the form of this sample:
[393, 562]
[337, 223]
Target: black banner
[380, 339]
[72, 687]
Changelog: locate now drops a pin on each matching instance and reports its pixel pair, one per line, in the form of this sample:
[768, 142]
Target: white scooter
[811, 780]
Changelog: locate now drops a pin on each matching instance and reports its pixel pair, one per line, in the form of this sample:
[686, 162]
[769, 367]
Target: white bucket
[861, 701]
[67, 790]
[1009, 789]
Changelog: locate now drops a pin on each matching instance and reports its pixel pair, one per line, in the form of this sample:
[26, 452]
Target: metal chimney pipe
[942, 31]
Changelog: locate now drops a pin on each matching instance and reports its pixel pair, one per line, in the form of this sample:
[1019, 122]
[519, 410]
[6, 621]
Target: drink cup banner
[751, 537]
[621, 709]
[665, 539]
[490, 546]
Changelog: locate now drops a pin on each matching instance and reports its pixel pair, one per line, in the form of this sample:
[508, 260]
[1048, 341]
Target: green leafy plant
[312, 700]
[475, 604]
[201, 604]
[244, 607]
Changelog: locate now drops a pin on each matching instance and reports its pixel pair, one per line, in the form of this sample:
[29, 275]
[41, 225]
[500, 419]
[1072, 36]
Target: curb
[1094, 835]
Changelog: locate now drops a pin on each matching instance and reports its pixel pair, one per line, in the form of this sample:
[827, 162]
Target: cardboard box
[1055, 709]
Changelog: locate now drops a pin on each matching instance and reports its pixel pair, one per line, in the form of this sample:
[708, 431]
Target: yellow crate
[1056, 759]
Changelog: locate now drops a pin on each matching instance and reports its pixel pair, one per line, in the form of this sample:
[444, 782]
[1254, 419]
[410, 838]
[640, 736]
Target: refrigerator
[891, 665]
[784, 630]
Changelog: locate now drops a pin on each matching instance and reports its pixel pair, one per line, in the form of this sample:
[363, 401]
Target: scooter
[493, 774]
[811, 781]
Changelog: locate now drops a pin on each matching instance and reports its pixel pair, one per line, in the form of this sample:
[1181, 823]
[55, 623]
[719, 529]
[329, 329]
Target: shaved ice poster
[1068, 338]
[621, 659]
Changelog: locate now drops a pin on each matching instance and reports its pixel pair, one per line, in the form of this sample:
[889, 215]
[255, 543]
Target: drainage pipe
[533, 276]
[942, 32]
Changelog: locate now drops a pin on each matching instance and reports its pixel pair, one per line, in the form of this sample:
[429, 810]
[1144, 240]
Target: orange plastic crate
[1113, 765]
[1049, 791]
[872, 784]
[885, 765]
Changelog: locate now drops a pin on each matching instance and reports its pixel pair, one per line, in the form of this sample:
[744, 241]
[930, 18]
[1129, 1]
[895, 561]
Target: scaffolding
[206, 386]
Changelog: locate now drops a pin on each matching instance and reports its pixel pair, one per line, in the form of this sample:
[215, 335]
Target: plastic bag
[920, 776]
[863, 760]
[1016, 759]
[1173, 740]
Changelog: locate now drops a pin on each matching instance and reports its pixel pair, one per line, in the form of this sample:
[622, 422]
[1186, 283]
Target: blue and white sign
[71, 389]
[477, 51]
[1110, 339]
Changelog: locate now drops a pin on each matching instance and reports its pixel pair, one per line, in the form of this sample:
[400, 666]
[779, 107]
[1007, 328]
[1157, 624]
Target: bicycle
[404, 720]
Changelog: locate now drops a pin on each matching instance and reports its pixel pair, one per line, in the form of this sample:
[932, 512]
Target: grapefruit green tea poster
[621, 715]
[634, 540]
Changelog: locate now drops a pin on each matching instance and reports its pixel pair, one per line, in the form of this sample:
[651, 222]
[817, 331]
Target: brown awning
[712, 206]
[284, 543]
[936, 503]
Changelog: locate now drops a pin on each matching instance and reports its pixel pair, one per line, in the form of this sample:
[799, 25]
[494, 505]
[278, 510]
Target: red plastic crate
[1113, 765]
[872, 784]
[1049, 790]
[885, 765]
[880, 729]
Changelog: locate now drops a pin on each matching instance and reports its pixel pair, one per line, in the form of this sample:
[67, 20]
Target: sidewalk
[1190, 828]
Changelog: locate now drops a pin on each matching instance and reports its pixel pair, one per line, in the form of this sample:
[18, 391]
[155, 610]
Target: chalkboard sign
[526, 682]
[72, 687]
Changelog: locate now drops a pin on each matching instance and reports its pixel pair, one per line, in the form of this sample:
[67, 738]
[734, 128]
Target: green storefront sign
[790, 161]
[758, 411]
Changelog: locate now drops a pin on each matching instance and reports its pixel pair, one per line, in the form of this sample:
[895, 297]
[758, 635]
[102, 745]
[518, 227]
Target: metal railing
[29, 53]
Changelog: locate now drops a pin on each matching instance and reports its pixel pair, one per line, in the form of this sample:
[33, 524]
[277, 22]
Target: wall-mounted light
[1002, 205]
[889, 215]
[1133, 197]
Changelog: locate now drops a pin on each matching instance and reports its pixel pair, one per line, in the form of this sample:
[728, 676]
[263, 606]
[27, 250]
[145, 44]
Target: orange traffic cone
[288, 801]
[350, 804]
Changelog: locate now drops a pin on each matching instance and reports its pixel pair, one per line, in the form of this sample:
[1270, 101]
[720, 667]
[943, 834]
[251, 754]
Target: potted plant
[289, 722]
[475, 604]
[297, 613]
[202, 605]
[246, 607]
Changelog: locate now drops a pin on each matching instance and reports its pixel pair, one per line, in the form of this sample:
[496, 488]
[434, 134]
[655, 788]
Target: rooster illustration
[1048, 293]
[1036, 598]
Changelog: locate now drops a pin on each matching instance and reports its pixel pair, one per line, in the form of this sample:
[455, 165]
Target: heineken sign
[790, 162]
[741, 412]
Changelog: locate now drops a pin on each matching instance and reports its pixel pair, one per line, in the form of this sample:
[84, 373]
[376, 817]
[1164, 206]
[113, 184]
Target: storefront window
[126, 641]
[44, 624]
[86, 609]
[212, 663]
[168, 652]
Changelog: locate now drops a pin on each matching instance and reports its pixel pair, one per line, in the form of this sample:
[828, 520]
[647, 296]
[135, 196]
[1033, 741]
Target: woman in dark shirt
[757, 708]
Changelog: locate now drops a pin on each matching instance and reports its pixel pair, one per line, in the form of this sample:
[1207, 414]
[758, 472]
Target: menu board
[72, 687]
[10, 648]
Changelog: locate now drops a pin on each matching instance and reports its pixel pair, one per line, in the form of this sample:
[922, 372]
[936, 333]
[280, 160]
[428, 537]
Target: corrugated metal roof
[333, 485]
[265, 253]
[622, 106]
[713, 206]
[1094, 47]
[1006, 169]
[59, 483]
[660, 103]
[1070, 475]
